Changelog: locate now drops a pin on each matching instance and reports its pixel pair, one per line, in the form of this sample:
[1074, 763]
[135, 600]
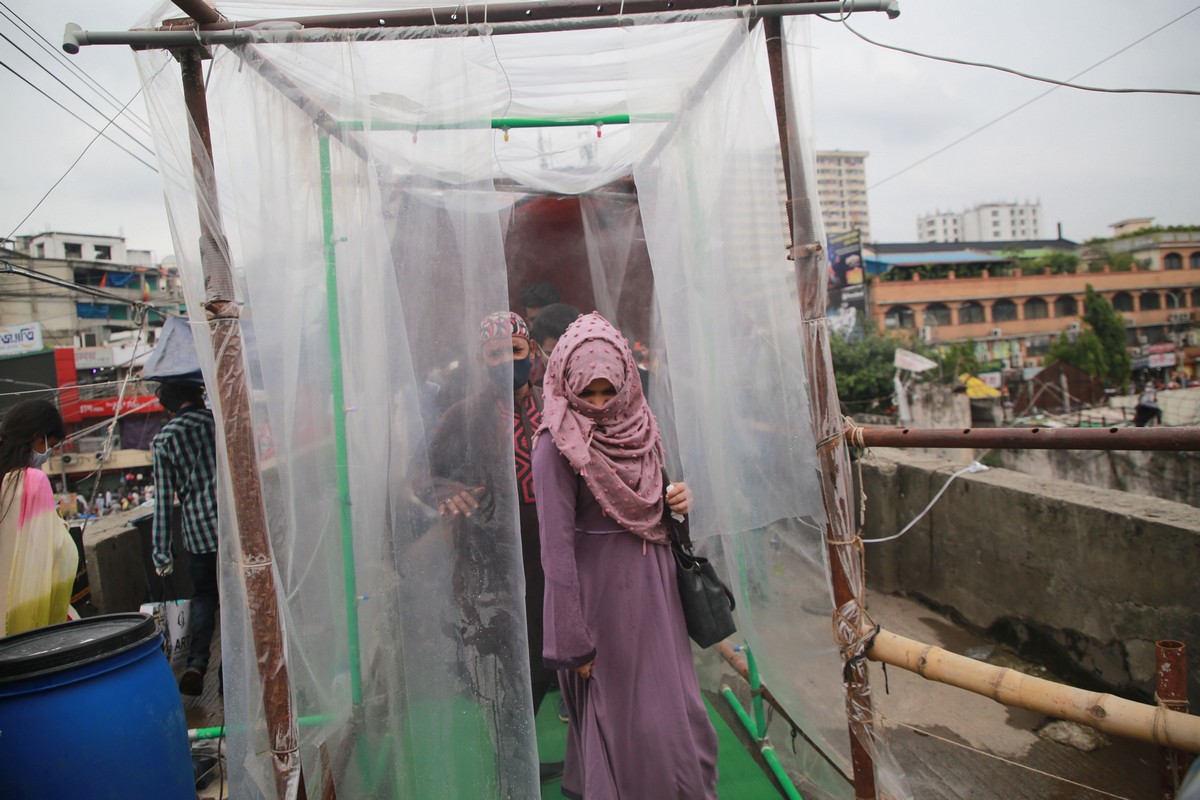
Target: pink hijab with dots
[616, 448]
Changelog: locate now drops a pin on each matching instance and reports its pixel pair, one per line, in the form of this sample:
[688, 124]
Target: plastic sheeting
[373, 216]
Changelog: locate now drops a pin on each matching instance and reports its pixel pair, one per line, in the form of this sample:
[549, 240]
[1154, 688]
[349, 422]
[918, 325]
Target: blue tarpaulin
[92, 310]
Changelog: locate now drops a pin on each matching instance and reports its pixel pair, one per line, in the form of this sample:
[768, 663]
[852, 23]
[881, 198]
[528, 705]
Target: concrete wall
[1170, 476]
[116, 549]
[1077, 576]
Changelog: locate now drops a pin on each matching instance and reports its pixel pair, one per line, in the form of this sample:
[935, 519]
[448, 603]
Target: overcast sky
[1090, 159]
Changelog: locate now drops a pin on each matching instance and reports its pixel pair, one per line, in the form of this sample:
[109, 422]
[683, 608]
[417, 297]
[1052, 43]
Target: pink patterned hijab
[616, 448]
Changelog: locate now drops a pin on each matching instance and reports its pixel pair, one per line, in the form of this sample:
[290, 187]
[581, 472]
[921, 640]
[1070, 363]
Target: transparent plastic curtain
[365, 173]
[397, 689]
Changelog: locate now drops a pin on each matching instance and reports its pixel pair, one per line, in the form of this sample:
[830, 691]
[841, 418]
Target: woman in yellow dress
[38, 559]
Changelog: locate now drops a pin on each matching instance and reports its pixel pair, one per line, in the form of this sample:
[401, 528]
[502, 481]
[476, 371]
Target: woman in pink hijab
[614, 628]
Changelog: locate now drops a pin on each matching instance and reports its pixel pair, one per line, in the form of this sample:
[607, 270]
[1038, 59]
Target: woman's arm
[568, 643]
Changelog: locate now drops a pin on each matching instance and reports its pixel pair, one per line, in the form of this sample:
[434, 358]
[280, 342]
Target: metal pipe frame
[553, 10]
[847, 571]
[1171, 439]
[1170, 692]
[224, 33]
[257, 562]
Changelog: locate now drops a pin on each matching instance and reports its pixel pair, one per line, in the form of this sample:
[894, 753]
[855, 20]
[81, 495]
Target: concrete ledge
[121, 575]
[1082, 577]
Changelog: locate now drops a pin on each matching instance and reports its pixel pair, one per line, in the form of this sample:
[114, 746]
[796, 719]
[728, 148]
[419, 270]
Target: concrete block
[1080, 571]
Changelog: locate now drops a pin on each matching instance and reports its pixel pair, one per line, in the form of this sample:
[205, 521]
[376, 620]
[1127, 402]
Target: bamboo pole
[846, 568]
[1104, 712]
[257, 562]
[1178, 439]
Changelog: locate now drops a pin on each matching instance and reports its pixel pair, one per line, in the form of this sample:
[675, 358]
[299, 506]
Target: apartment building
[989, 222]
[842, 191]
[945, 294]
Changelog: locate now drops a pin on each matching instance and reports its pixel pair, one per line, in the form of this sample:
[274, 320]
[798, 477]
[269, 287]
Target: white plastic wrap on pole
[1104, 712]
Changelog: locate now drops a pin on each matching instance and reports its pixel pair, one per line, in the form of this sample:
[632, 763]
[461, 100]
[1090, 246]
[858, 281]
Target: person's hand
[585, 670]
[164, 570]
[464, 503]
[679, 498]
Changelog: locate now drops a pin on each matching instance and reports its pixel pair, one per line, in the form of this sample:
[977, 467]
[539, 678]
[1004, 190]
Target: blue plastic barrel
[90, 709]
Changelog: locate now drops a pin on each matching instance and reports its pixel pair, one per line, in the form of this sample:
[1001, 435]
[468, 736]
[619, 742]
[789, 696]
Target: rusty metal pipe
[456, 14]
[1170, 692]
[846, 569]
[257, 562]
[200, 11]
[1176, 439]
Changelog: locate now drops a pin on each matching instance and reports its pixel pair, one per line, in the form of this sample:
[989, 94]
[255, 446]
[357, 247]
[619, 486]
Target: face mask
[36, 459]
[520, 372]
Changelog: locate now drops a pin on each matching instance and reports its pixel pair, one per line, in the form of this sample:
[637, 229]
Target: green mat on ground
[739, 775]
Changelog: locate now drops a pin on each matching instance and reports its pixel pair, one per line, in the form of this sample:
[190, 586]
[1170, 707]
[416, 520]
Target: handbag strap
[677, 531]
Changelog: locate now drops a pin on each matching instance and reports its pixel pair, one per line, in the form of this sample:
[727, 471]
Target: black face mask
[521, 370]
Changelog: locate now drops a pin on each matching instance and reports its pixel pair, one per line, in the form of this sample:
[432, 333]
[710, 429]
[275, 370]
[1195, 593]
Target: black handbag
[707, 602]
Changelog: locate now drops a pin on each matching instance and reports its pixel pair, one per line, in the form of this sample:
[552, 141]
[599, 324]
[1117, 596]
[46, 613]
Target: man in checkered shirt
[185, 465]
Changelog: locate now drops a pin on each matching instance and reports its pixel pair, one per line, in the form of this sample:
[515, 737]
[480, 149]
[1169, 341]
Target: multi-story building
[103, 263]
[956, 293]
[989, 222]
[72, 334]
[842, 191]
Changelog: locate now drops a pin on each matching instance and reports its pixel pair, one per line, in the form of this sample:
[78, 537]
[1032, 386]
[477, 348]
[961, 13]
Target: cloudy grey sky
[1091, 159]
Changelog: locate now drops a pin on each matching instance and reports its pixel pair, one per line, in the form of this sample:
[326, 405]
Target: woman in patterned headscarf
[614, 626]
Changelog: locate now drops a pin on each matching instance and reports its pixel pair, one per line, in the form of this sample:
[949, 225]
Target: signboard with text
[18, 339]
[108, 406]
[844, 251]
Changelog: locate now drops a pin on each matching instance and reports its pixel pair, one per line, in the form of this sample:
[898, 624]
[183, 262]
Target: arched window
[1149, 301]
[970, 312]
[1036, 308]
[899, 317]
[1122, 301]
[938, 314]
[1004, 311]
[1176, 298]
[1172, 261]
[1066, 306]
[1194, 261]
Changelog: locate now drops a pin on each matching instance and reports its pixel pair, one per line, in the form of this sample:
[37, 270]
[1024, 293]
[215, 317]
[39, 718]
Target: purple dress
[638, 728]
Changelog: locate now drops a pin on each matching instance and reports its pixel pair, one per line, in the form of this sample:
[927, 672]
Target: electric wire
[1011, 111]
[32, 34]
[974, 466]
[10, 268]
[83, 99]
[99, 131]
[1019, 73]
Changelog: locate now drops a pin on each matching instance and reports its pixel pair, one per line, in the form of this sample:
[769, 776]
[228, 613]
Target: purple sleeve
[568, 643]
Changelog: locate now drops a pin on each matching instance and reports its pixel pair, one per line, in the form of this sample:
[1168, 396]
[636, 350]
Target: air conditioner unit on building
[1142, 339]
[1193, 338]
[996, 332]
[1178, 316]
[1073, 327]
[927, 334]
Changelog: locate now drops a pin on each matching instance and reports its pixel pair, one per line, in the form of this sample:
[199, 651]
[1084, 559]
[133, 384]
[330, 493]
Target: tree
[957, 358]
[1109, 327]
[863, 367]
[1099, 351]
[1086, 352]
